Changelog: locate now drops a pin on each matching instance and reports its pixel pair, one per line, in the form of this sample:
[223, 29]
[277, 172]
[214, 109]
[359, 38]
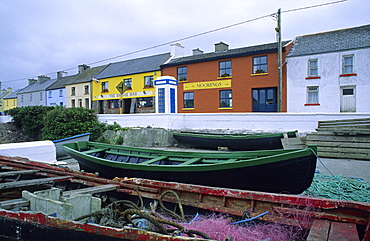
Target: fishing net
[220, 227]
[339, 187]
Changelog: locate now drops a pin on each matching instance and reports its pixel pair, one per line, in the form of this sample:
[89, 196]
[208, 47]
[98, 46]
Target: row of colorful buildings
[321, 73]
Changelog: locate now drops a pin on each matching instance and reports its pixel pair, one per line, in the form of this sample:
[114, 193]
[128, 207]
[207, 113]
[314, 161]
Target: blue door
[173, 101]
[264, 100]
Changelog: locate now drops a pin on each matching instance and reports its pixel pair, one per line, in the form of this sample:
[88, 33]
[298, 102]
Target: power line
[193, 36]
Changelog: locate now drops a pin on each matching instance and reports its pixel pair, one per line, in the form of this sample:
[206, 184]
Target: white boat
[60, 154]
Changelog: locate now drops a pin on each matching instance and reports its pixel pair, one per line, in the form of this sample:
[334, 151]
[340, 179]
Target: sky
[42, 37]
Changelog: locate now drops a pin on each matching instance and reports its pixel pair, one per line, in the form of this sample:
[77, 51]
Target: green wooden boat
[278, 171]
[235, 142]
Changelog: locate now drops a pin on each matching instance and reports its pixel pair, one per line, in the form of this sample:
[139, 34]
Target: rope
[169, 211]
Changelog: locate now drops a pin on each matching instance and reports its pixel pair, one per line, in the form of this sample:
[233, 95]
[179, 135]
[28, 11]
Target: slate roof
[134, 66]
[333, 41]
[245, 51]
[87, 75]
[61, 83]
[3, 95]
[12, 95]
[37, 86]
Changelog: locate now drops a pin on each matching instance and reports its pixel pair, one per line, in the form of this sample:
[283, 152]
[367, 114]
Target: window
[21, 98]
[148, 81]
[225, 99]
[182, 73]
[40, 95]
[30, 96]
[79, 102]
[189, 100]
[61, 103]
[104, 86]
[113, 104]
[260, 65]
[128, 83]
[145, 102]
[161, 100]
[348, 64]
[86, 89]
[60, 93]
[312, 95]
[346, 91]
[73, 91]
[73, 103]
[50, 94]
[312, 67]
[225, 68]
[87, 103]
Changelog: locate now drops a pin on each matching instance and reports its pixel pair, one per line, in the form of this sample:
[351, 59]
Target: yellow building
[134, 79]
[9, 100]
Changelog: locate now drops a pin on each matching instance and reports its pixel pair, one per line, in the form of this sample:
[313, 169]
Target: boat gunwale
[246, 136]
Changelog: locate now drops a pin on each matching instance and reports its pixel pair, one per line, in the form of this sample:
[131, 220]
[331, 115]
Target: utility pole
[279, 64]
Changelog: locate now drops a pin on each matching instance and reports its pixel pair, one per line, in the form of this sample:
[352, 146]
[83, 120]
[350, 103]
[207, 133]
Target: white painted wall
[231, 122]
[329, 69]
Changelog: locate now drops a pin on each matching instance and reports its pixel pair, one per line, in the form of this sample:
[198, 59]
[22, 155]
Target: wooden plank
[346, 130]
[292, 143]
[343, 231]
[32, 182]
[345, 121]
[344, 149]
[92, 190]
[318, 137]
[319, 230]
[94, 150]
[341, 144]
[15, 173]
[158, 158]
[191, 161]
[14, 203]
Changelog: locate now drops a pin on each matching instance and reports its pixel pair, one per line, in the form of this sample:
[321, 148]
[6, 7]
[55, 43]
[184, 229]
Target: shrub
[29, 119]
[64, 122]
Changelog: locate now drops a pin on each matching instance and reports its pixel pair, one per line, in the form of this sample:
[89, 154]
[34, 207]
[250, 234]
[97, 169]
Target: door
[348, 99]
[126, 106]
[264, 100]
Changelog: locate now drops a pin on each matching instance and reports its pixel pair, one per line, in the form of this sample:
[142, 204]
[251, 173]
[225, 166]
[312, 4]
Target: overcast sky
[42, 37]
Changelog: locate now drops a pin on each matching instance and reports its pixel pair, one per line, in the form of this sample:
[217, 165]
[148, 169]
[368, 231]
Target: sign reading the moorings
[208, 85]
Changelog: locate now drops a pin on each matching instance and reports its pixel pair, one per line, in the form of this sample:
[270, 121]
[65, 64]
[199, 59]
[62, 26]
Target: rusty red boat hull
[230, 201]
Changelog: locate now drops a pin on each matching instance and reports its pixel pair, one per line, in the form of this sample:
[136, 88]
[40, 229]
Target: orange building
[229, 80]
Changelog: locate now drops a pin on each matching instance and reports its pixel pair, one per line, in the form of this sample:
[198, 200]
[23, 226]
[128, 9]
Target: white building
[330, 72]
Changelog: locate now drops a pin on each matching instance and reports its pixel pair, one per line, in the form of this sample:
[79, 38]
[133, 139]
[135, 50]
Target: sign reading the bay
[208, 85]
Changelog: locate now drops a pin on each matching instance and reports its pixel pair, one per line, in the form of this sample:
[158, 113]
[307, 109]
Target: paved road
[346, 167]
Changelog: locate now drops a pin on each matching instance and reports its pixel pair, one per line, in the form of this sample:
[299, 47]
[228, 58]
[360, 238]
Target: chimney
[31, 81]
[221, 46]
[60, 74]
[42, 78]
[82, 68]
[177, 50]
[197, 51]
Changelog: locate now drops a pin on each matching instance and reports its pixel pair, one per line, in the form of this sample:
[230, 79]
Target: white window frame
[344, 65]
[310, 68]
[310, 99]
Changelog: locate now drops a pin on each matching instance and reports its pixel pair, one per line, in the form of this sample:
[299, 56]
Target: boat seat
[158, 158]
[191, 161]
[94, 150]
[92, 190]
